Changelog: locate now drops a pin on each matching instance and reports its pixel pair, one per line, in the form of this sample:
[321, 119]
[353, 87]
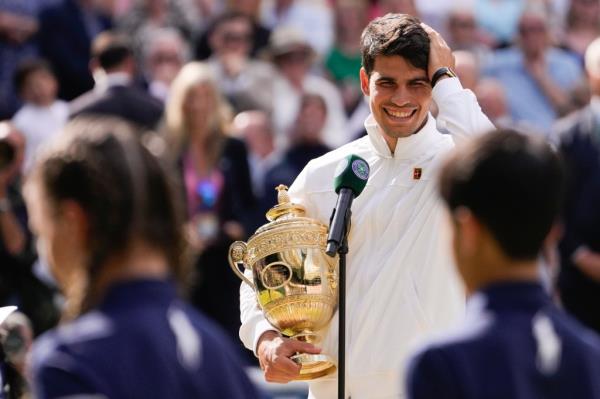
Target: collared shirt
[526, 100]
[401, 282]
[141, 342]
[514, 343]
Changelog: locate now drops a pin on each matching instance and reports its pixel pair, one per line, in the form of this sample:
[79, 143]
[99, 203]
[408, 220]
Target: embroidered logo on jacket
[417, 172]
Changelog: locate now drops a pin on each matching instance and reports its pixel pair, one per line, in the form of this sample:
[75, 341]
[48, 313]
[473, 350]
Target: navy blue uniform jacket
[514, 344]
[142, 342]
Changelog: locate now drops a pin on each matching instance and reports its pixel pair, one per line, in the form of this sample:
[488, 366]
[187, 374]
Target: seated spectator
[255, 128]
[536, 75]
[18, 285]
[293, 57]
[18, 25]
[114, 93]
[306, 144]
[67, 29]
[464, 33]
[397, 7]
[241, 79]
[218, 190]
[503, 192]
[106, 213]
[148, 15]
[578, 140]
[313, 19]
[582, 26]
[492, 100]
[466, 68]
[499, 20]
[42, 115]
[260, 33]
[344, 60]
[164, 54]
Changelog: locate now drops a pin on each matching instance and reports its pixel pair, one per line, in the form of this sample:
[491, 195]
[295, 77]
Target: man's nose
[401, 96]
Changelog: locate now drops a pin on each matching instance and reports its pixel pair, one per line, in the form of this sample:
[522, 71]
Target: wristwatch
[443, 71]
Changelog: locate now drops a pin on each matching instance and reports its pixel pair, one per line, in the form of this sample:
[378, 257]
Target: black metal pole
[342, 251]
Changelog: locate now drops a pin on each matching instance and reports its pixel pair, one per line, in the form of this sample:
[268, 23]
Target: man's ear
[76, 221]
[469, 229]
[364, 81]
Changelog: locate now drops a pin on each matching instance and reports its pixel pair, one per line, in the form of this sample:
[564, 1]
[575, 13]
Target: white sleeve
[459, 113]
[254, 323]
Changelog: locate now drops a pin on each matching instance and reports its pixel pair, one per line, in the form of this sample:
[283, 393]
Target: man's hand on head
[440, 54]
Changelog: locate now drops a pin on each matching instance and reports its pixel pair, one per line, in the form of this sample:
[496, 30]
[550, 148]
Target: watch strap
[443, 71]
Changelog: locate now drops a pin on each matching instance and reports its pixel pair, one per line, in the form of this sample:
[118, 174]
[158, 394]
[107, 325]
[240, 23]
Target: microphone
[351, 177]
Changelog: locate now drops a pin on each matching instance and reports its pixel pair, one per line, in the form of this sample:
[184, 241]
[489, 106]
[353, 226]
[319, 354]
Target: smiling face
[399, 96]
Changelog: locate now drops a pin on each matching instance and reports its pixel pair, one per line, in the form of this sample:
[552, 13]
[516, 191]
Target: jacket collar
[406, 147]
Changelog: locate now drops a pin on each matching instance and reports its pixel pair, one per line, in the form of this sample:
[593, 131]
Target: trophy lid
[284, 206]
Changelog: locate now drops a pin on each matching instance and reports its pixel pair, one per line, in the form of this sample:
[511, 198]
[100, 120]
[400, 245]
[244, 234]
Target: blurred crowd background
[245, 93]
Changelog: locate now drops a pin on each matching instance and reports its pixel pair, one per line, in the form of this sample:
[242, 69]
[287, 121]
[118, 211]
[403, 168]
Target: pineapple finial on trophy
[282, 195]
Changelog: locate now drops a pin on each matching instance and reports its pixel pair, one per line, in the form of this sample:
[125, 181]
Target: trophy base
[313, 366]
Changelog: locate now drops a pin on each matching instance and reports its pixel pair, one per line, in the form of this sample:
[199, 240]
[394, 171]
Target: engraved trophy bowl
[295, 281]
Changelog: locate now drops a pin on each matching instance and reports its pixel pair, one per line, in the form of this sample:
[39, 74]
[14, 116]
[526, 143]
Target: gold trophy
[296, 283]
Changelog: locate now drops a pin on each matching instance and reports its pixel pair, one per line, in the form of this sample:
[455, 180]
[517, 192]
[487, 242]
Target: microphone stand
[342, 251]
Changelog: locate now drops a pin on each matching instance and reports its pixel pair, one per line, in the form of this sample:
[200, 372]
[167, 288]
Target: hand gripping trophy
[296, 283]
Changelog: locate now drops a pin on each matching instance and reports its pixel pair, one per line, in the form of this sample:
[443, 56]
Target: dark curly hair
[395, 34]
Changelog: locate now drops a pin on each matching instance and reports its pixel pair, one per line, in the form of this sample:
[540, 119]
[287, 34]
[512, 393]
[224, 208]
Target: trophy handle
[237, 251]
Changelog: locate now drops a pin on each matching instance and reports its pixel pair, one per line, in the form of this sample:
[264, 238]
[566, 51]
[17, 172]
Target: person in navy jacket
[504, 191]
[108, 221]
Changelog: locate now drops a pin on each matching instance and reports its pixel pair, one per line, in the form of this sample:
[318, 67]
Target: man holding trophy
[400, 277]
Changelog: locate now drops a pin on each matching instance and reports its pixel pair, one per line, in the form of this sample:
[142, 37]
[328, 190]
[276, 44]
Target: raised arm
[459, 113]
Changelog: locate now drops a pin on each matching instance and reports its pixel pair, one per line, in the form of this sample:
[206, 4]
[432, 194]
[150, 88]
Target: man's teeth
[399, 114]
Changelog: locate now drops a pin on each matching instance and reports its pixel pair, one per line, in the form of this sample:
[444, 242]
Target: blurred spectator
[582, 25]
[344, 60]
[397, 7]
[114, 94]
[537, 76]
[18, 285]
[105, 211]
[241, 79]
[164, 54]
[578, 139]
[466, 68]
[492, 99]
[67, 30]
[42, 114]
[464, 34]
[293, 58]
[216, 177]
[14, 384]
[147, 15]
[17, 338]
[499, 19]
[256, 129]
[313, 18]
[260, 33]
[306, 144]
[514, 342]
[13, 217]
[18, 24]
